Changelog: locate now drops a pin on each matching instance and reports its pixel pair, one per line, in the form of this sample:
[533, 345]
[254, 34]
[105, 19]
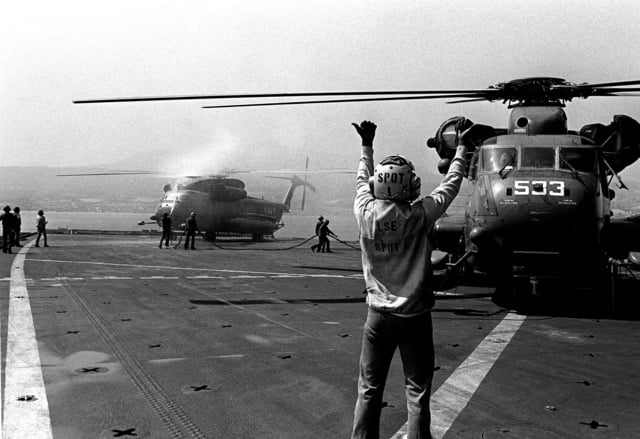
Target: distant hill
[627, 201]
[34, 188]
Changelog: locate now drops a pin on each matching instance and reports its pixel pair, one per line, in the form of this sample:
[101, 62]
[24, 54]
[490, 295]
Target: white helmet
[394, 178]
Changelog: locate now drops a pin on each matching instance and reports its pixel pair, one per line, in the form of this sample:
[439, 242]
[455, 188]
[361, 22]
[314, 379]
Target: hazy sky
[54, 52]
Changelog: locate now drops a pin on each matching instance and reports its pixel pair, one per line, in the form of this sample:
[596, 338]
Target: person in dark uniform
[41, 225]
[7, 229]
[166, 230]
[191, 229]
[325, 232]
[319, 244]
[17, 226]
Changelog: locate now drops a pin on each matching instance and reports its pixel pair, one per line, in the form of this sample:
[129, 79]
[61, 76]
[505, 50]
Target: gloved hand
[463, 124]
[367, 131]
[466, 138]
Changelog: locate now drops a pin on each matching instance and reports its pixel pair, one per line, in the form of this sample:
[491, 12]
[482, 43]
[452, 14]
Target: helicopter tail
[295, 182]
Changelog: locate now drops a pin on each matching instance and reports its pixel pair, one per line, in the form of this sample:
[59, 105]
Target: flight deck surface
[110, 336]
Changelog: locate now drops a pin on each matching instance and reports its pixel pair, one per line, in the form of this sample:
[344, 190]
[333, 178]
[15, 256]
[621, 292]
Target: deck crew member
[325, 232]
[7, 229]
[17, 226]
[319, 244]
[166, 230]
[191, 228]
[41, 226]
[396, 264]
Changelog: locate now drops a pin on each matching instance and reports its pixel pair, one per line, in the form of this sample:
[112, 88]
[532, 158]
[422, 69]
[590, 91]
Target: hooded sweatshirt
[396, 252]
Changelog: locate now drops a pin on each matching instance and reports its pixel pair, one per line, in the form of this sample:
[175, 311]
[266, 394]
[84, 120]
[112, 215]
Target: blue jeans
[383, 332]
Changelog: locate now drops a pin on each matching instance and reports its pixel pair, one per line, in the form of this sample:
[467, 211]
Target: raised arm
[441, 197]
[367, 131]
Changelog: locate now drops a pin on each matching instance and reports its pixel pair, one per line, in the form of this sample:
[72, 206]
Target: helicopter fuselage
[222, 205]
[539, 202]
[252, 216]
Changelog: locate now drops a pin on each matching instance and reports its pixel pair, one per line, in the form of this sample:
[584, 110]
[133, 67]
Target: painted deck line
[215, 270]
[205, 277]
[26, 409]
[454, 394]
[1, 373]
[158, 277]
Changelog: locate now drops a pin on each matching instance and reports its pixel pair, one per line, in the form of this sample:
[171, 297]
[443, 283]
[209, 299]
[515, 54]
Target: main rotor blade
[462, 101]
[277, 177]
[88, 174]
[304, 195]
[304, 186]
[276, 95]
[590, 91]
[610, 84]
[619, 90]
[331, 101]
[616, 94]
[311, 171]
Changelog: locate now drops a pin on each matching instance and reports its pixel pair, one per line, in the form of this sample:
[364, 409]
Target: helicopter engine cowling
[537, 120]
[445, 141]
[620, 140]
[226, 193]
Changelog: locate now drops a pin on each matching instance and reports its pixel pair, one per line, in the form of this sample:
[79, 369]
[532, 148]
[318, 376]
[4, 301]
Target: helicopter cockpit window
[539, 158]
[170, 196]
[496, 159]
[579, 159]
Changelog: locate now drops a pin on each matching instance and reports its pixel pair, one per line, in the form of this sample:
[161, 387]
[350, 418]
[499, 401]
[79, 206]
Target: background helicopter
[538, 201]
[222, 206]
[221, 203]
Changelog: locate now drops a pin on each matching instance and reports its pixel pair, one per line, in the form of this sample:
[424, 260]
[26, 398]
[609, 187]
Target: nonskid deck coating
[255, 343]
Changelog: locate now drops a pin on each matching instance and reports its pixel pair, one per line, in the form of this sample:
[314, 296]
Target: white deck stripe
[1, 373]
[454, 394]
[23, 374]
[216, 270]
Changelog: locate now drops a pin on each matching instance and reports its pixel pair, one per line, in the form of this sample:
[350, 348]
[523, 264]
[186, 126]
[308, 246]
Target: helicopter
[223, 206]
[538, 203]
[221, 203]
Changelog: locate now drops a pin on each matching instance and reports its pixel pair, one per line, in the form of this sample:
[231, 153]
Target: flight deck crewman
[325, 232]
[396, 265]
[318, 246]
[166, 230]
[17, 226]
[7, 229]
[41, 226]
[191, 229]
